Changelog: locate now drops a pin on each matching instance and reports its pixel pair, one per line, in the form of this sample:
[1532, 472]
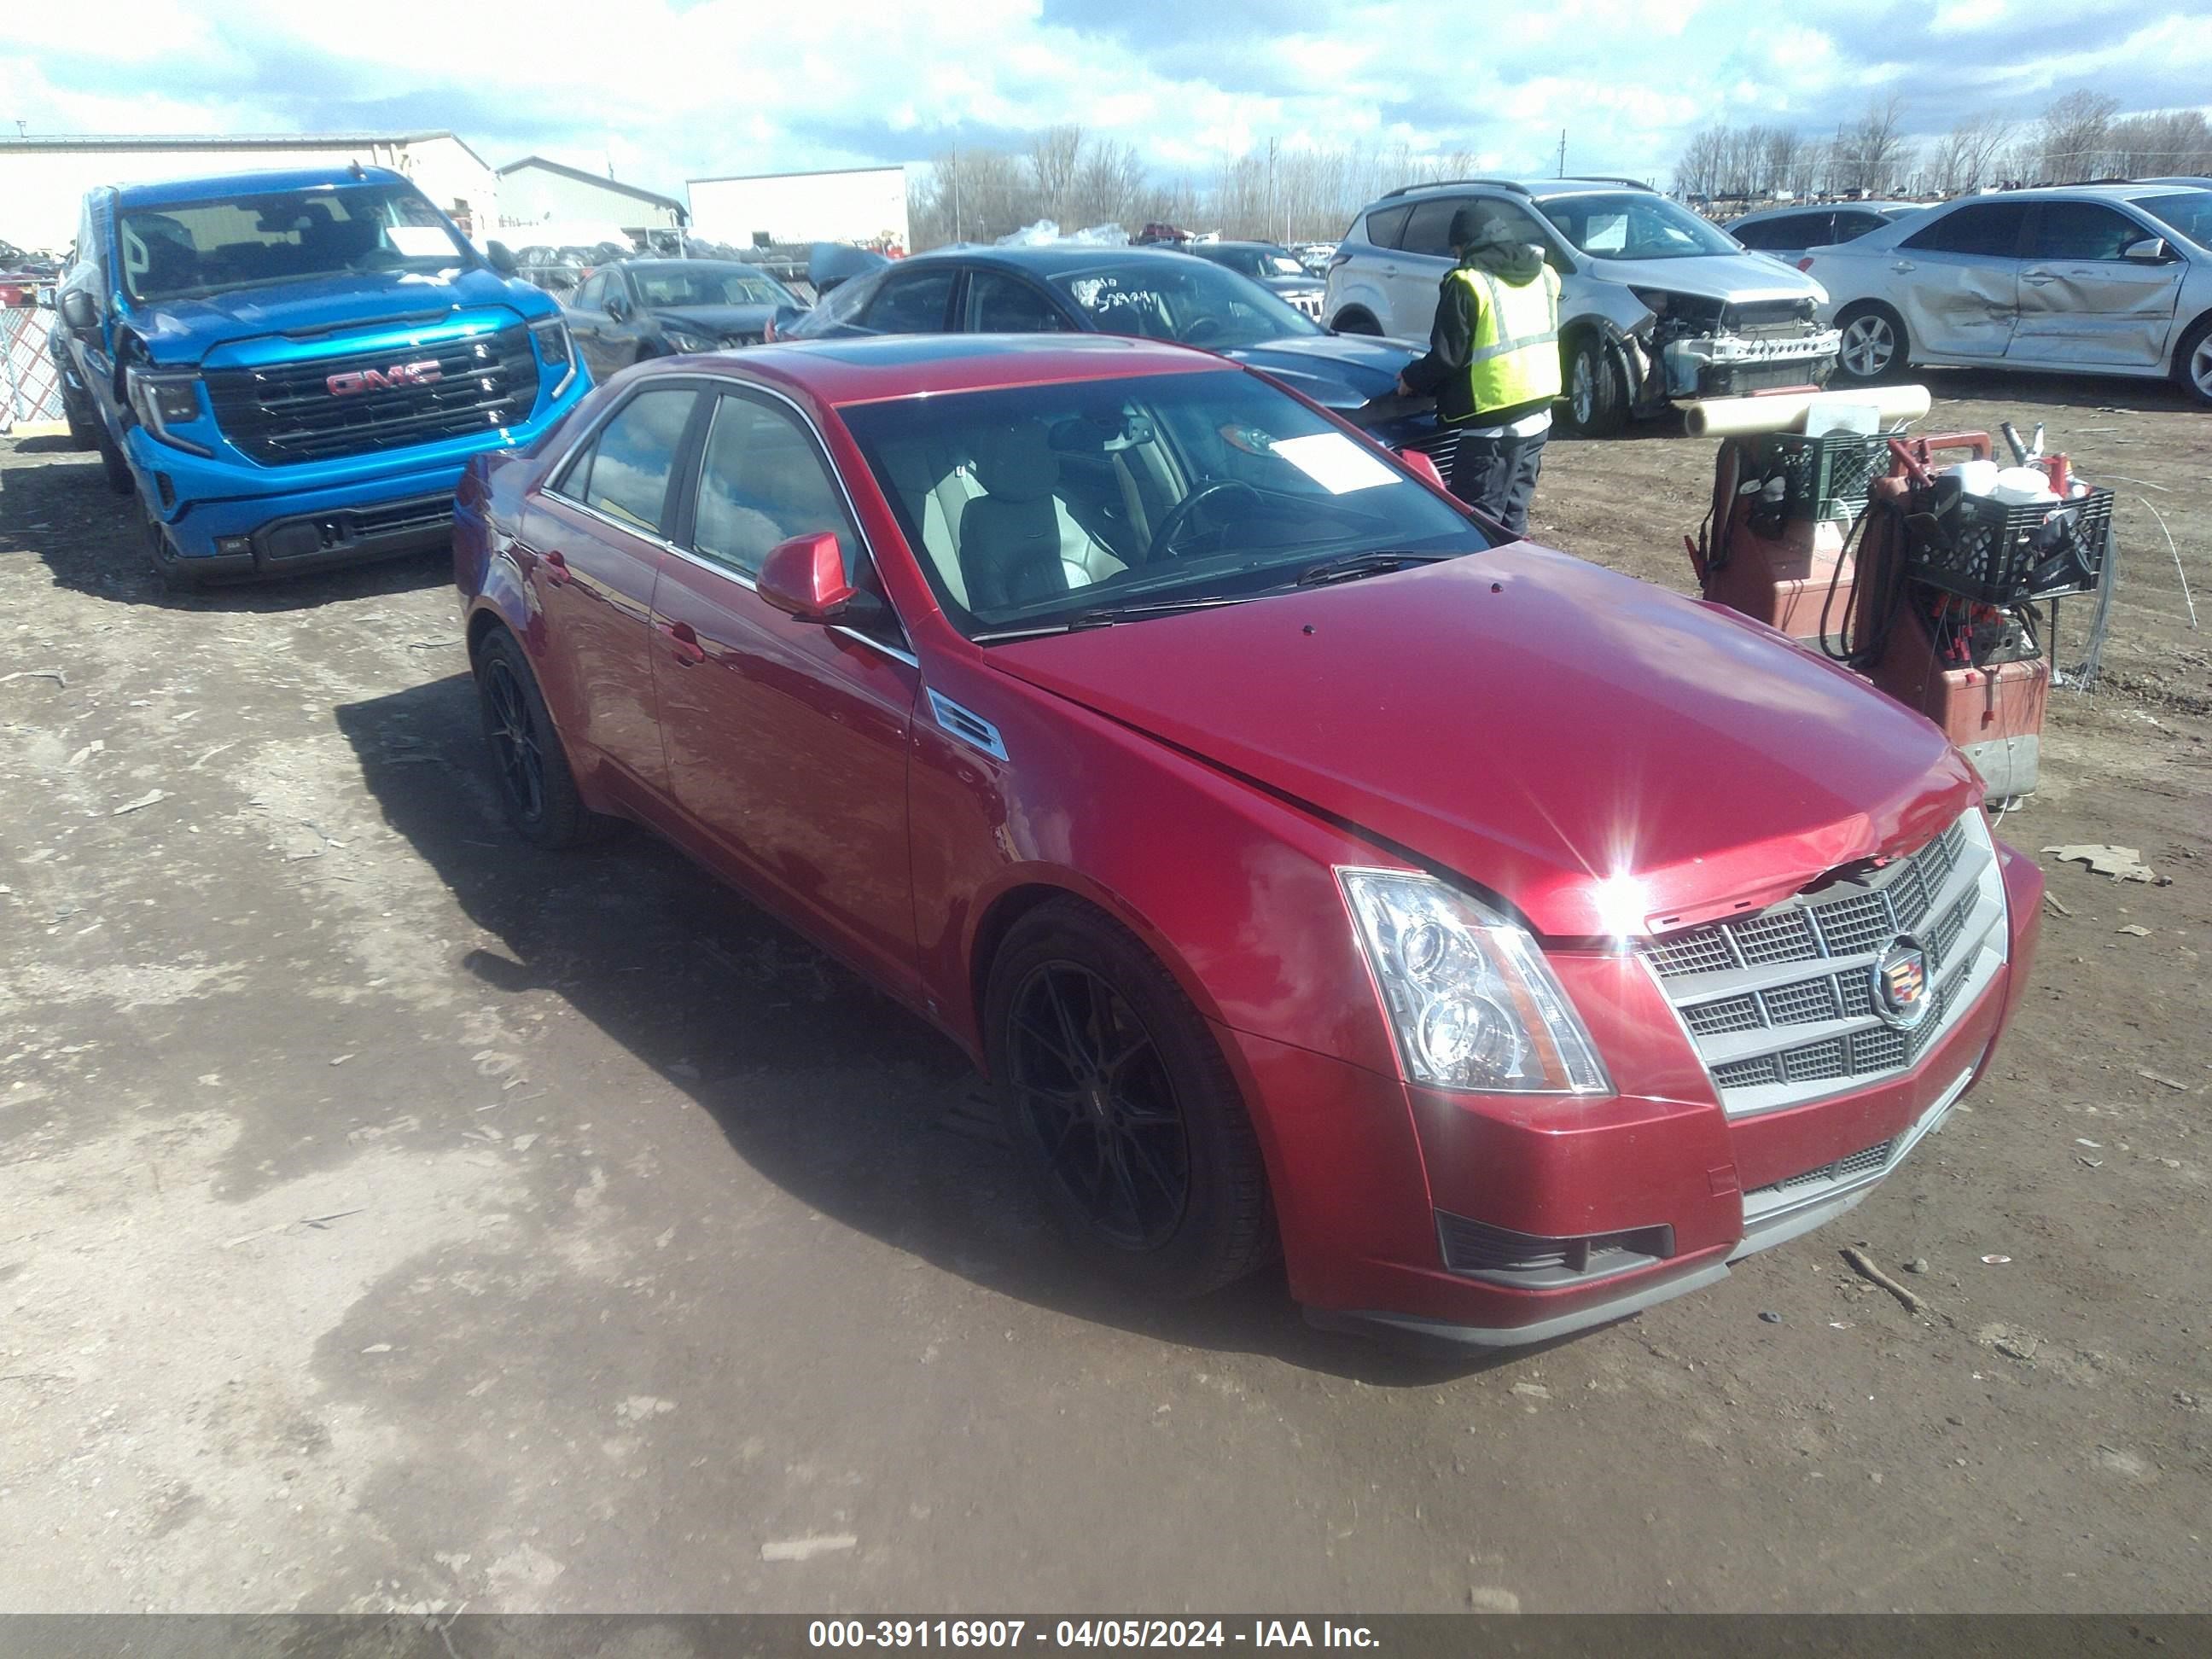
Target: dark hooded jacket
[1442, 373]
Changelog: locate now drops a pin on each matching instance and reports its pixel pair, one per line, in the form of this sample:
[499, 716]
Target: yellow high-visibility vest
[1515, 356]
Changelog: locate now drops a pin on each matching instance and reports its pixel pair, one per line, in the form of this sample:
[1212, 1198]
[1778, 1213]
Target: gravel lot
[393, 1216]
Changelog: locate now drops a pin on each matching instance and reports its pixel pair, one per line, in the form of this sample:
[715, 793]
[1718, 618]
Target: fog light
[235, 547]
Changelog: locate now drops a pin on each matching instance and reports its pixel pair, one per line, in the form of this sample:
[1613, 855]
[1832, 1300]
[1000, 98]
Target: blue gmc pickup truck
[289, 370]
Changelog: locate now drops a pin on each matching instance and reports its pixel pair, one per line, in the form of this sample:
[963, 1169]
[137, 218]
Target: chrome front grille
[1771, 1034]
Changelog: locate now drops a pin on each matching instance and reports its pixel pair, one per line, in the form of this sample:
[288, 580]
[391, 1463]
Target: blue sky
[667, 89]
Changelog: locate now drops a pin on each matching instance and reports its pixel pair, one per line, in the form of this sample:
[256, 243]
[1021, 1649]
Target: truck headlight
[1471, 1002]
[554, 351]
[162, 400]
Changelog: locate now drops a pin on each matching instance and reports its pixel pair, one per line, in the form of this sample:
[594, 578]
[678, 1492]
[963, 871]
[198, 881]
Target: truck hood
[1337, 371]
[179, 332]
[1534, 724]
[1731, 277]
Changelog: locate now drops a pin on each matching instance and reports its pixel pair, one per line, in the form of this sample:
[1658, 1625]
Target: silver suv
[1655, 303]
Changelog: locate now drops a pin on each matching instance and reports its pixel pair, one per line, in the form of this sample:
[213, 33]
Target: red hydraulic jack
[1857, 546]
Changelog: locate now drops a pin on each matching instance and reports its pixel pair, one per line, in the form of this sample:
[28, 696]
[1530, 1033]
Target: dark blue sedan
[1152, 293]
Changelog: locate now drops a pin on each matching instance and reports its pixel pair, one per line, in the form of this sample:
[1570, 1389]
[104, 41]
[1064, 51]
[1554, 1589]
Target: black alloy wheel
[1102, 1104]
[1117, 1099]
[535, 784]
[515, 752]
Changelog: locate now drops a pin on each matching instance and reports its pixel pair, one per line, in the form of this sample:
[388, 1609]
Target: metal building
[536, 191]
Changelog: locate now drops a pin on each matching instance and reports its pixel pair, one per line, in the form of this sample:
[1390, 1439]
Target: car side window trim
[718, 389]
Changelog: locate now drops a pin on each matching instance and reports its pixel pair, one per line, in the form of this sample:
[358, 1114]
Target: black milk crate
[1828, 476]
[1986, 551]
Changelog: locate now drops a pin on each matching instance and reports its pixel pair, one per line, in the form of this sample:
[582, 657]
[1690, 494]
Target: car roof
[889, 366]
[213, 187]
[2120, 192]
[1883, 204]
[1540, 190]
[1046, 257]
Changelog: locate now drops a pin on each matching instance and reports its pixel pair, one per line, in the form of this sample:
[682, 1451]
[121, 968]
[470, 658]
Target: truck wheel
[81, 435]
[2192, 363]
[1597, 402]
[111, 460]
[1873, 343]
[1116, 1098]
[535, 784]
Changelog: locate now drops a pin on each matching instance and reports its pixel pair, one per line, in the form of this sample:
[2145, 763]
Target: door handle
[558, 573]
[2038, 279]
[1902, 265]
[684, 644]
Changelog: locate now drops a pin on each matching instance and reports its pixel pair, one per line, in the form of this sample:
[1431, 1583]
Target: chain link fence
[30, 385]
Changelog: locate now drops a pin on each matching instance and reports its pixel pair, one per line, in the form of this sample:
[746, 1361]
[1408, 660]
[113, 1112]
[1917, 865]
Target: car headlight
[1472, 1003]
[162, 400]
[554, 351]
[684, 340]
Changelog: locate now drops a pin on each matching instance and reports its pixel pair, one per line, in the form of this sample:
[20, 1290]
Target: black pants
[1499, 476]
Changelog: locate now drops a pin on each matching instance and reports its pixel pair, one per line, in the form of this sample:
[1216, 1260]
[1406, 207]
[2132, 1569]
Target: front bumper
[1723, 365]
[1649, 1196]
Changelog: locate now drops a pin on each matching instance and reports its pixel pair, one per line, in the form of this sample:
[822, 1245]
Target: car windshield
[191, 248]
[1173, 297]
[1634, 225]
[1034, 508]
[704, 284]
[2189, 212]
[1253, 261]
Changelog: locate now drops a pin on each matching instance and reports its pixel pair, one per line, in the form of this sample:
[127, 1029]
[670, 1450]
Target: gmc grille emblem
[383, 379]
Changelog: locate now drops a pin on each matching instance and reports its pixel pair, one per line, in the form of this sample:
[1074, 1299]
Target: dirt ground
[394, 1217]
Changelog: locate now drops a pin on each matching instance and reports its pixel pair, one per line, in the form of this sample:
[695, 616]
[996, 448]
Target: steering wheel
[1184, 511]
[1201, 330]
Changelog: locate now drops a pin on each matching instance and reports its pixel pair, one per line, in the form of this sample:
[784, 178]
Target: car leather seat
[1010, 535]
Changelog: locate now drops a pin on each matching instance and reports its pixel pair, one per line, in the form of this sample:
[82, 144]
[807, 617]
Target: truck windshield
[1634, 225]
[188, 249]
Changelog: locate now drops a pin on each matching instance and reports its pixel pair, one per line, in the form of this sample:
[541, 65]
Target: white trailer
[849, 205]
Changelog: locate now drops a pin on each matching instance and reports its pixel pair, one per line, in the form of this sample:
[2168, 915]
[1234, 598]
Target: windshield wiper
[1356, 565]
[1107, 616]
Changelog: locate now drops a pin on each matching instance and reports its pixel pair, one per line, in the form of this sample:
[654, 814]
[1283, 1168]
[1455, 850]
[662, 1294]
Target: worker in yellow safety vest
[1493, 364]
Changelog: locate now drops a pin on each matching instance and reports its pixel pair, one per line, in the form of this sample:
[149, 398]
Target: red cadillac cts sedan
[1509, 943]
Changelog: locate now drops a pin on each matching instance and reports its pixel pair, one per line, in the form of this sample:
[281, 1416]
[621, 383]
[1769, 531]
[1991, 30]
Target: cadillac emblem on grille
[1900, 982]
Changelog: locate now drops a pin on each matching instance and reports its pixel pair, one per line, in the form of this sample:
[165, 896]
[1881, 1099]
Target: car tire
[1353, 320]
[2193, 362]
[1874, 343]
[83, 434]
[1596, 398]
[116, 468]
[1098, 1058]
[536, 786]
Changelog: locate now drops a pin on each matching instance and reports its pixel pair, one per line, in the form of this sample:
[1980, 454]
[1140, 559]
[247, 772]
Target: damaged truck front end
[1658, 348]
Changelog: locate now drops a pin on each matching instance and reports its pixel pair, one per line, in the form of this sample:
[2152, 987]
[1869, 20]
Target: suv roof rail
[1513, 184]
[1606, 178]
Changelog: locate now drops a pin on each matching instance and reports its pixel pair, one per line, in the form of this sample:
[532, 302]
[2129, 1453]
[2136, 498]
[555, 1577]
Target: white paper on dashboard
[419, 241]
[1335, 462]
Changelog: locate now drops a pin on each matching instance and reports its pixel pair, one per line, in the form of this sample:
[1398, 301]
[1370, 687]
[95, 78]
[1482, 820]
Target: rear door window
[623, 472]
[1385, 226]
[1990, 229]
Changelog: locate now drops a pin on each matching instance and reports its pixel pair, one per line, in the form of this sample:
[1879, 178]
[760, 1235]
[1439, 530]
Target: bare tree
[2073, 137]
[1056, 158]
[2175, 142]
[1874, 154]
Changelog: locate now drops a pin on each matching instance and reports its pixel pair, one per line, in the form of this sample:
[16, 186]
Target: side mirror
[2151, 250]
[500, 257]
[615, 307]
[78, 310]
[1419, 463]
[805, 577]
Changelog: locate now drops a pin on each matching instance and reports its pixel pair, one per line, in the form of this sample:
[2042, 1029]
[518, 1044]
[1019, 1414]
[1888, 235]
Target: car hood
[180, 331]
[1534, 723]
[719, 319]
[1734, 276]
[1337, 371]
